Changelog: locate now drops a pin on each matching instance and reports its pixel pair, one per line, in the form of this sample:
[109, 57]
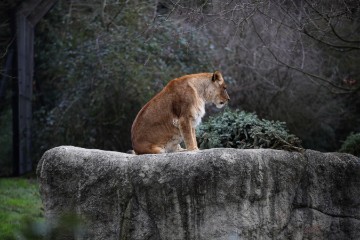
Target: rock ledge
[211, 194]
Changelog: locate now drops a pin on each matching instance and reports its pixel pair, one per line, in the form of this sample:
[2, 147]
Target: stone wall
[211, 194]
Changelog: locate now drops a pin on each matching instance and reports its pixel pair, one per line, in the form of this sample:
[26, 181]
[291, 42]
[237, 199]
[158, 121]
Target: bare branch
[336, 47]
[7, 47]
[340, 37]
[295, 68]
[307, 33]
[328, 19]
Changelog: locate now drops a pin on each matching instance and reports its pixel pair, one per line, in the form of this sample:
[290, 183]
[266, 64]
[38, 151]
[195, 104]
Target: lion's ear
[217, 76]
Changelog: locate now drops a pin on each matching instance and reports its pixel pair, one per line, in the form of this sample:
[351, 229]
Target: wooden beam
[28, 6]
[39, 12]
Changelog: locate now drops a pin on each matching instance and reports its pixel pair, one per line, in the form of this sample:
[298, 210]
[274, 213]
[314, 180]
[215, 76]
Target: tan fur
[173, 114]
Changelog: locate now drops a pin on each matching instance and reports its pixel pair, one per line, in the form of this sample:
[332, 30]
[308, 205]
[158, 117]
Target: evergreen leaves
[352, 144]
[239, 129]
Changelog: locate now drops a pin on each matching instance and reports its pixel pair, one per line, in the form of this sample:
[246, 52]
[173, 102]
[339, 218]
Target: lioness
[172, 115]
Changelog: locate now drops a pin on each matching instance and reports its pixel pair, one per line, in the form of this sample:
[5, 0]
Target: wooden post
[23, 113]
[27, 16]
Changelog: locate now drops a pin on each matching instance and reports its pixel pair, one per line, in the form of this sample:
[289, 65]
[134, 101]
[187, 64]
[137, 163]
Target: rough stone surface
[212, 194]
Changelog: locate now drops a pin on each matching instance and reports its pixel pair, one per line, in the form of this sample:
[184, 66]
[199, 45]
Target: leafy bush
[238, 129]
[351, 144]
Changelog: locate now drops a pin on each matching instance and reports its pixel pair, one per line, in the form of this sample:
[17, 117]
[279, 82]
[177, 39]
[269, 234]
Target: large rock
[212, 194]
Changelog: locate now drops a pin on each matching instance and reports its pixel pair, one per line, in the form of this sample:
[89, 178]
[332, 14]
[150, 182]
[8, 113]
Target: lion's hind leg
[148, 149]
[154, 149]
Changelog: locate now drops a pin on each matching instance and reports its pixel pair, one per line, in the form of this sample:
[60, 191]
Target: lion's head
[216, 91]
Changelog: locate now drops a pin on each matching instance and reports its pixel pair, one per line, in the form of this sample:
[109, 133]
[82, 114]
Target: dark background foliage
[99, 61]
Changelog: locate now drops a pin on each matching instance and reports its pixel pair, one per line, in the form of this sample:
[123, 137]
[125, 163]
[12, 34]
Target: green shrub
[351, 144]
[238, 129]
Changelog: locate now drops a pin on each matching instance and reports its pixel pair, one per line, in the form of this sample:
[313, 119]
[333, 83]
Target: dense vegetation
[98, 62]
